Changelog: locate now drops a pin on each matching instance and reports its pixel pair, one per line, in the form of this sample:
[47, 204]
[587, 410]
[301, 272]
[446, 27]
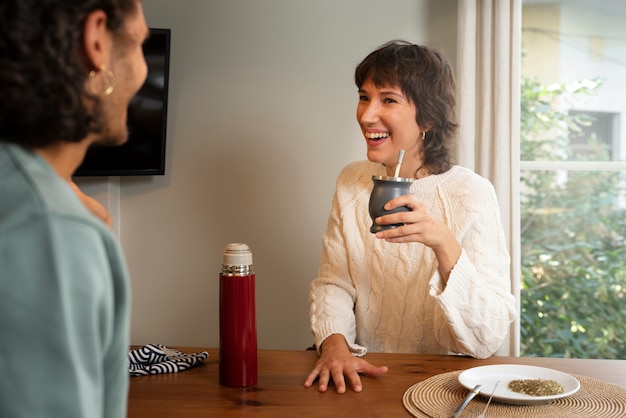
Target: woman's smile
[376, 138]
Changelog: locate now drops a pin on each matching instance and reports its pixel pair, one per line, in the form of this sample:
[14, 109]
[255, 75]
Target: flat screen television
[144, 152]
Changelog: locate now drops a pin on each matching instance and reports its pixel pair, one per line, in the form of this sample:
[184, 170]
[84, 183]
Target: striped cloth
[157, 359]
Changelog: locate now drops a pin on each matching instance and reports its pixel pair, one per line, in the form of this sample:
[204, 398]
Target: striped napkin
[157, 359]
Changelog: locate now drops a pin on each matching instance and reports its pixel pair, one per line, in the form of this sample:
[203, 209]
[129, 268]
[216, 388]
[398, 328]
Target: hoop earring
[110, 78]
[423, 136]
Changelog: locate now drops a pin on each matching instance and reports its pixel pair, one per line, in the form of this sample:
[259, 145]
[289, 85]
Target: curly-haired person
[68, 70]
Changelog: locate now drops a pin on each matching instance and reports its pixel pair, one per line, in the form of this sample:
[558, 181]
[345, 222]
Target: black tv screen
[144, 152]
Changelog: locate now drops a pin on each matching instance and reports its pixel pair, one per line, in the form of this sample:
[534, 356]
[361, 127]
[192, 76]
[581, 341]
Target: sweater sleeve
[333, 294]
[475, 308]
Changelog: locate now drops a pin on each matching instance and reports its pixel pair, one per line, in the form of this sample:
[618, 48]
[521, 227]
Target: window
[598, 135]
[573, 179]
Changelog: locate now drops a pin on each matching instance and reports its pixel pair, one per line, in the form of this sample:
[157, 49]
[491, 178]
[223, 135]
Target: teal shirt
[64, 299]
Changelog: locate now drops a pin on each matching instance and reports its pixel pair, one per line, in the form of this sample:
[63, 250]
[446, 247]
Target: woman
[68, 70]
[441, 282]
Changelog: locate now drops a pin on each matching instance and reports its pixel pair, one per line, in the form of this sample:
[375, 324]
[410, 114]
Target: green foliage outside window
[573, 232]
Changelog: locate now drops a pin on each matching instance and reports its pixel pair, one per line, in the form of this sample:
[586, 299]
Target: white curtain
[488, 75]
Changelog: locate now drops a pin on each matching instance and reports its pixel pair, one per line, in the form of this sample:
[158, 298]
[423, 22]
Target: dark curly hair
[43, 70]
[426, 79]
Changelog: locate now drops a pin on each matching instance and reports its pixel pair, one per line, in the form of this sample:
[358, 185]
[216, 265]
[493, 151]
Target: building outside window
[573, 179]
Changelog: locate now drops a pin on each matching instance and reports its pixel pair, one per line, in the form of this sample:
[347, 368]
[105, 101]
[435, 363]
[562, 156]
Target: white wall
[261, 121]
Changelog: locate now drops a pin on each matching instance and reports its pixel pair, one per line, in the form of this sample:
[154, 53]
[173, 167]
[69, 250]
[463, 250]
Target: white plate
[505, 373]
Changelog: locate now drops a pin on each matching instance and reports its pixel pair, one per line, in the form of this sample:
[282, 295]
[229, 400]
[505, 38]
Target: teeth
[376, 135]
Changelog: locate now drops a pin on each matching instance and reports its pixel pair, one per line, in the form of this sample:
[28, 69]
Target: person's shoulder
[34, 194]
[360, 171]
[467, 179]
[463, 172]
[354, 183]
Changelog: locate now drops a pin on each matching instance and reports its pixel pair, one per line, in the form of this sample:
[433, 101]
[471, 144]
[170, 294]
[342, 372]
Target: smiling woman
[440, 282]
[404, 91]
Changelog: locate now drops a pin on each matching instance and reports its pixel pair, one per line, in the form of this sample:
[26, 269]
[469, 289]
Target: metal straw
[400, 157]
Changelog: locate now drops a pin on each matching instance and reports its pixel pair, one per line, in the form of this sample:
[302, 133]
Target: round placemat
[440, 395]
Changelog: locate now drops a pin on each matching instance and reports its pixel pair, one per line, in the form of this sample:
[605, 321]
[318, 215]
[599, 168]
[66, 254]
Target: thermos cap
[237, 254]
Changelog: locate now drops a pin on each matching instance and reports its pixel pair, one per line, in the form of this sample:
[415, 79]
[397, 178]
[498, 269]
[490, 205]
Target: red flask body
[238, 338]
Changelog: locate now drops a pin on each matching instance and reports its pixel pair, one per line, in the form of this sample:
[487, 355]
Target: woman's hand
[337, 363]
[419, 226]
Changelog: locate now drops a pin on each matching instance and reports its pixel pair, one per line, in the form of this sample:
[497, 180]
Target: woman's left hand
[419, 226]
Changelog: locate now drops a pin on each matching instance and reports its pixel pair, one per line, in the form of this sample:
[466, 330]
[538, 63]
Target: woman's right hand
[337, 363]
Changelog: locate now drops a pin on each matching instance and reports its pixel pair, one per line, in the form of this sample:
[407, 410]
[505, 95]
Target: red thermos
[238, 343]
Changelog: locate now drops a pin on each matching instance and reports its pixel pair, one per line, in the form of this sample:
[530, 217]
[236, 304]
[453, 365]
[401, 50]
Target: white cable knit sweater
[387, 297]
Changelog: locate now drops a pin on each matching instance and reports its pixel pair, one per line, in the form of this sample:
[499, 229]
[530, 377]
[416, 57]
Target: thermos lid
[237, 254]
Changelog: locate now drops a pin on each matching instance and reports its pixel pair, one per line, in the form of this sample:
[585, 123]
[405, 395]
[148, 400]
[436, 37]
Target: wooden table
[280, 391]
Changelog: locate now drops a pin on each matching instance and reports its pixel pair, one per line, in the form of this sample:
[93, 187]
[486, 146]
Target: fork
[482, 414]
[467, 400]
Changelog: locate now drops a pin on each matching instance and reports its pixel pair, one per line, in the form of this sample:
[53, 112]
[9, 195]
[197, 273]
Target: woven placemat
[439, 396]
